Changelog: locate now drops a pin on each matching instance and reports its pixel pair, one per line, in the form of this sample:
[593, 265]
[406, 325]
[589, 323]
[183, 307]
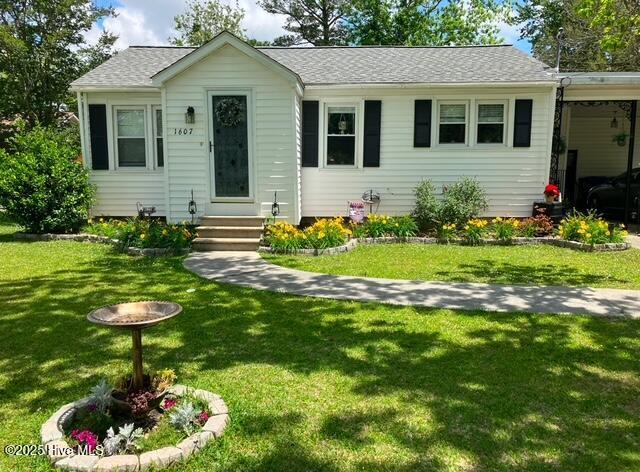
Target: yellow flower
[101, 220]
[165, 232]
[143, 236]
[90, 221]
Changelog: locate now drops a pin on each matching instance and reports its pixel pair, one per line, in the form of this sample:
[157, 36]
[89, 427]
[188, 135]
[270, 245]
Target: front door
[230, 166]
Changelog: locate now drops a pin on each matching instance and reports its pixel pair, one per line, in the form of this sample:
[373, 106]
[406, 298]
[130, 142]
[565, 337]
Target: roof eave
[113, 88]
[409, 85]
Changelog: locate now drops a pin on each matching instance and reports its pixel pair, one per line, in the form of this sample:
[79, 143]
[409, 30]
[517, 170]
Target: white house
[313, 127]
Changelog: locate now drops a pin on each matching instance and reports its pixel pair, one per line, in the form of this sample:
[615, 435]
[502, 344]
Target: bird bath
[135, 316]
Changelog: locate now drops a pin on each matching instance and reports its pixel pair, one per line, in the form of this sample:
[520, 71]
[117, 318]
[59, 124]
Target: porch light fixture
[193, 207]
[614, 121]
[190, 116]
[275, 206]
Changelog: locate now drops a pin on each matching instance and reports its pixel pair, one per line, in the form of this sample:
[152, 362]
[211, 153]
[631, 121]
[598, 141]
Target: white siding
[119, 190]
[590, 133]
[513, 177]
[274, 143]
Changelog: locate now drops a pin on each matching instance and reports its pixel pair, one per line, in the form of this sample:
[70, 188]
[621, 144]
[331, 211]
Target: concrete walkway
[248, 269]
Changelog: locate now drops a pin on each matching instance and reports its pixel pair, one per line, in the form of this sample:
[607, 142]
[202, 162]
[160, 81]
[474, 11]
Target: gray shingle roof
[347, 65]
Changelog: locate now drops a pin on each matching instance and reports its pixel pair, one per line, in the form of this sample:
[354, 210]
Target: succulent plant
[123, 441]
[183, 417]
[100, 396]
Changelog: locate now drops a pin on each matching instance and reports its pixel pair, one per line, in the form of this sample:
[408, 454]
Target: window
[453, 123]
[341, 136]
[130, 137]
[157, 133]
[491, 123]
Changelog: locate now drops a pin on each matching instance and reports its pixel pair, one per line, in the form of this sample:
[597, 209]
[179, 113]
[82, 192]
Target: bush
[463, 201]
[378, 226]
[539, 225]
[505, 230]
[589, 229]
[323, 233]
[447, 232]
[144, 233]
[327, 233]
[474, 231]
[427, 210]
[43, 185]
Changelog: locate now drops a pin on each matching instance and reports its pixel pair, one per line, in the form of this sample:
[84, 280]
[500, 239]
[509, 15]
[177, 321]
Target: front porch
[595, 156]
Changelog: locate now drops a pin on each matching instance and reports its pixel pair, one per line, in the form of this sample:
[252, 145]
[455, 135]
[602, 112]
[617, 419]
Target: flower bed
[134, 237]
[124, 430]
[581, 232]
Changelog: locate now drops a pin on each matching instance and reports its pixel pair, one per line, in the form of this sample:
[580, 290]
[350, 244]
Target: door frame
[221, 91]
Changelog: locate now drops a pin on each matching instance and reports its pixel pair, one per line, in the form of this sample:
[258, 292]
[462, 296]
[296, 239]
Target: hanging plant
[621, 139]
[229, 112]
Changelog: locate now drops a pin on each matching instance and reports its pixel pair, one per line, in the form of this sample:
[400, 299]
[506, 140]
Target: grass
[320, 384]
[519, 265]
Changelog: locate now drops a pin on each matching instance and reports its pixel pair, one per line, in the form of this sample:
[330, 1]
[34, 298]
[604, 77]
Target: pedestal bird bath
[135, 316]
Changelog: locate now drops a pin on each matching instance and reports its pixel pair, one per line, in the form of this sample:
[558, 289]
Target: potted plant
[551, 192]
[621, 139]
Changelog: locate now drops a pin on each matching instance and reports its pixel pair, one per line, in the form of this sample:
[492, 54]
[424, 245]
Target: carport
[594, 142]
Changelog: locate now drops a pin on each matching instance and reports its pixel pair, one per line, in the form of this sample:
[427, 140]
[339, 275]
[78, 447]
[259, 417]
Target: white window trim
[466, 123]
[505, 121]
[154, 136]
[114, 117]
[325, 135]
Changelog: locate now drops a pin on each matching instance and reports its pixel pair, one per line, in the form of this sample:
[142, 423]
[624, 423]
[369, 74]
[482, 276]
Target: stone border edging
[546, 240]
[52, 437]
[94, 238]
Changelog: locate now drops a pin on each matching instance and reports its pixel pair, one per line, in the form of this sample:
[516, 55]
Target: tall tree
[94, 55]
[203, 19]
[598, 35]
[426, 22]
[316, 22]
[39, 40]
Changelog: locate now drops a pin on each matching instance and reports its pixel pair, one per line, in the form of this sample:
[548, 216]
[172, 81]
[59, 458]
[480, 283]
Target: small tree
[43, 185]
[464, 200]
[203, 19]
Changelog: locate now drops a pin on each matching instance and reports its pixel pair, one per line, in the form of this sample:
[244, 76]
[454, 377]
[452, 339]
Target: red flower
[169, 403]
[203, 416]
[552, 190]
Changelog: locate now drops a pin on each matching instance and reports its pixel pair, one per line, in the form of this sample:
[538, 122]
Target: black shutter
[372, 112]
[422, 124]
[98, 130]
[310, 111]
[522, 124]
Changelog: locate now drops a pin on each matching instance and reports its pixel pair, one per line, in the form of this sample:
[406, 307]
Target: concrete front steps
[229, 233]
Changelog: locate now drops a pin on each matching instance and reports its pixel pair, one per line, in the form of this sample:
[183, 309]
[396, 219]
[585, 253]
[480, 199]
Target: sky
[149, 23]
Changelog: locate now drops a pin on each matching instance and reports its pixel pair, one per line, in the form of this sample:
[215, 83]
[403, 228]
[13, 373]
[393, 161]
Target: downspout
[632, 138]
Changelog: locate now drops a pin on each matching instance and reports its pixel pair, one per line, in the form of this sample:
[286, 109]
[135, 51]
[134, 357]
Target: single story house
[315, 128]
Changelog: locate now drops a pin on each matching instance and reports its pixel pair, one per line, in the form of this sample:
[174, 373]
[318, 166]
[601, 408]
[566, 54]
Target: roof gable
[220, 40]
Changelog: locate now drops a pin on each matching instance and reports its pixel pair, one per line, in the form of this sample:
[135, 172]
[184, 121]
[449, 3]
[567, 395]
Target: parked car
[609, 198]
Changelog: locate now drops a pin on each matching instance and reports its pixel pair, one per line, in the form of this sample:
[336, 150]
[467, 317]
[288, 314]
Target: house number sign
[182, 131]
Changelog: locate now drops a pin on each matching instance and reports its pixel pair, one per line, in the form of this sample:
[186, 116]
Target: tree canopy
[203, 19]
[427, 22]
[40, 42]
[599, 35]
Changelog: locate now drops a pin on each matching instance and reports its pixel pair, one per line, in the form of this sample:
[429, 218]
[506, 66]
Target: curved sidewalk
[248, 269]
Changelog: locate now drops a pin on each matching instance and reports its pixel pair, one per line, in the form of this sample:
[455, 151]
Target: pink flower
[203, 416]
[85, 437]
[91, 407]
[169, 403]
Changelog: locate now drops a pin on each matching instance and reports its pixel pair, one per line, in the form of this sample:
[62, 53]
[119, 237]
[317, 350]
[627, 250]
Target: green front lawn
[543, 265]
[319, 384]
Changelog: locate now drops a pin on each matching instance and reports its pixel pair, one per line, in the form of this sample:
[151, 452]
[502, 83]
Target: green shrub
[144, 233]
[463, 201]
[378, 226]
[326, 233]
[43, 185]
[474, 231]
[589, 229]
[505, 230]
[403, 227]
[427, 209]
[447, 232]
